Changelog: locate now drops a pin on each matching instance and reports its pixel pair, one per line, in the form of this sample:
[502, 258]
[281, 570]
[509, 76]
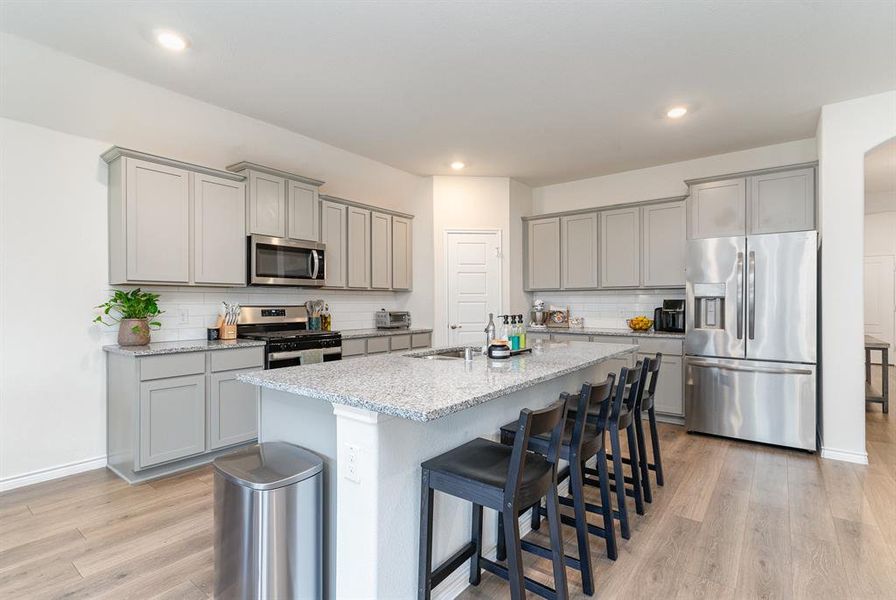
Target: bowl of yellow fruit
[640, 323]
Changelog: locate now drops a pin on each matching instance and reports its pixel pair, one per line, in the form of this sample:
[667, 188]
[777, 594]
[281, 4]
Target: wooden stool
[505, 479]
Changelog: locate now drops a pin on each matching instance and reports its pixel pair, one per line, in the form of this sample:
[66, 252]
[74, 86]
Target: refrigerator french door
[750, 364]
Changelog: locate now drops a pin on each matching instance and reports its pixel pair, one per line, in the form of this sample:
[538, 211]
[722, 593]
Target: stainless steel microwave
[279, 261]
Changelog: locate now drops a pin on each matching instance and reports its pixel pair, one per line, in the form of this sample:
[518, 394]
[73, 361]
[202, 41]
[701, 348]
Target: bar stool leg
[501, 546]
[636, 476]
[514, 553]
[578, 499]
[619, 474]
[642, 459]
[475, 569]
[536, 516]
[557, 551]
[424, 569]
[655, 442]
[606, 504]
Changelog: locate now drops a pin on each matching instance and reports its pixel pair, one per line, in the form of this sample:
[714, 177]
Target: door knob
[454, 327]
[457, 327]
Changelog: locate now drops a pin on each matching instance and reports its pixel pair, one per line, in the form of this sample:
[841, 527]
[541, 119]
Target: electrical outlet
[183, 316]
[352, 457]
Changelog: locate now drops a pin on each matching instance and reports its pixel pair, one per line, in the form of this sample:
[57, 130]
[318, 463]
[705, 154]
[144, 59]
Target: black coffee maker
[669, 317]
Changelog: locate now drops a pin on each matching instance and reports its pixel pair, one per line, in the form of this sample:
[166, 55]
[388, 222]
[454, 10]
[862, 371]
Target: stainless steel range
[289, 341]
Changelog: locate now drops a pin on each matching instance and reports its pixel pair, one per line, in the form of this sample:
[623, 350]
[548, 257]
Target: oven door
[278, 261]
[296, 358]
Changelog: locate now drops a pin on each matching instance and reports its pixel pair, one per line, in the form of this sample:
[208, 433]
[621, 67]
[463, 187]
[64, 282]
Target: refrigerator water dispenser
[709, 305]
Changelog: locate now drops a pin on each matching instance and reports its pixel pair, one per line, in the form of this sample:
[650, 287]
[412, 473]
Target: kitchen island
[375, 419]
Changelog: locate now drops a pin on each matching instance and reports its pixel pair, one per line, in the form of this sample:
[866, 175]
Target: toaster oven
[393, 319]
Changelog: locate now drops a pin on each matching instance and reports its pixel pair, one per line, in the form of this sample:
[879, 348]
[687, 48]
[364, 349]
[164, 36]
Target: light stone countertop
[606, 331]
[350, 334]
[175, 347]
[420, 389]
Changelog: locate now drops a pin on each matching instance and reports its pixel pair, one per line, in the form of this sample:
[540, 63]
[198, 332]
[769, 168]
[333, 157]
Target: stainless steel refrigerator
[750, 345]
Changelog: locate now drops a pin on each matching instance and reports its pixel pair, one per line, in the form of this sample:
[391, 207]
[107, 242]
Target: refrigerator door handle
[778, 371]
[751, 296]
[739, 307]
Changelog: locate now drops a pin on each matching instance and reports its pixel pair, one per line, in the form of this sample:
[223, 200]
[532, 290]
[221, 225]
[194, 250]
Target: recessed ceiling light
[171, 41]
[457, 165]
[677, 112]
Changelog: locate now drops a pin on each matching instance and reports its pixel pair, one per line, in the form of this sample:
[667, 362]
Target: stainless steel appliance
[670, 316]
[393, 319]
[750, 346]
[289, 342]
[279, 261]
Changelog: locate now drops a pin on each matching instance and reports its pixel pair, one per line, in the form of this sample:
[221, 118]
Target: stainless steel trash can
[268, 523]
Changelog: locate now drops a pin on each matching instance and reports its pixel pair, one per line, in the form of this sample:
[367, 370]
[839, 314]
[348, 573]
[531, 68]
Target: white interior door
[474, 284]
[880, 298]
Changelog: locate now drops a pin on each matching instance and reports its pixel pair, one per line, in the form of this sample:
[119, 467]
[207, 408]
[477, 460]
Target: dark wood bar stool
[581, 440]
[647, 403]
[621, 418]
[507, 480]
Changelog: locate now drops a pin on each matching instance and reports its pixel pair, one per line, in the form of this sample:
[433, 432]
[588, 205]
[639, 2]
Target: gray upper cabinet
[663, 244]
[157, 222]
[578, 238]
[219, 230]
[782, 201]
[302, 211]
[543, 240]
[402, 254]
[717, 209]
[380, 251]
[620, 247]
[172, 419]
[333, 233]
[267, 204]
[358, 255]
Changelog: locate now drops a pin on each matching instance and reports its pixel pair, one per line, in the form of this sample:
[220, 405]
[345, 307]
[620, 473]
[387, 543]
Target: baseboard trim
[859, 458]
[11, 483]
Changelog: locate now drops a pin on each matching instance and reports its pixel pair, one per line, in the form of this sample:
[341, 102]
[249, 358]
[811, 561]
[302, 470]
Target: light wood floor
[735, 520]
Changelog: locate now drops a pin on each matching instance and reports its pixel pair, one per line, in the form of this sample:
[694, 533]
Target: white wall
[665, 180]
[846, 131]
[520, 206]
[52, 390]
[467, 203]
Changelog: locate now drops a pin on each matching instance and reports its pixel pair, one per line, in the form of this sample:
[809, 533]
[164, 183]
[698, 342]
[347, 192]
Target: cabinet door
[333, 225]
[219, 230]
[267, 204]
[579, 251]
[158, 222]
[172, 419]
[402, 254]
[717, 209]
[620, 245]
[380, 251]
[782, 201]
[358, 247]
[302, 211]
[669, 392]
[663, 245]
[232, 410]
[543, 254]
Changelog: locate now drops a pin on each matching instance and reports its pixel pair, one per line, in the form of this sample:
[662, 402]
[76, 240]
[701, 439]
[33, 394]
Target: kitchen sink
[443, 355]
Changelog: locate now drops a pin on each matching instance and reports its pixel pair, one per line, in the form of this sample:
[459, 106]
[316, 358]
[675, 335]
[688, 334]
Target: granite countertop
[419, 389]
[348, 334]
[154, 348]
[607, 331]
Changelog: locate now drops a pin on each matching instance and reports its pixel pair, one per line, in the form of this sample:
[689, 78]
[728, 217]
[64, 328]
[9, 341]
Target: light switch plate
[351, 466]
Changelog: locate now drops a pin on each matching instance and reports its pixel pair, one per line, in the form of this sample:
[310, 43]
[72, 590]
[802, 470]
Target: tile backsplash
[607, 309]
[189, 311]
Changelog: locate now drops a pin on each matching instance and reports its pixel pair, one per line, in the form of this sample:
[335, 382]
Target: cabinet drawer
[576, 337]
[172, 365]
[244, 358]
[421, 340]
[354, 347]
[377, 345]
[613, 339]
[652, 346]
[400, 342]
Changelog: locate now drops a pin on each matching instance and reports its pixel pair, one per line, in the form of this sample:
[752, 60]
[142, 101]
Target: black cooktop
[289, 334]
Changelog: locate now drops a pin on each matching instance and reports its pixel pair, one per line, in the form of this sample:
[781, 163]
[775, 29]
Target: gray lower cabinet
[421, 340]
[381, 344]
[543, 254]
[578, 254]
[670, 389]
[172, 419]
[232, 410]
[620, 247]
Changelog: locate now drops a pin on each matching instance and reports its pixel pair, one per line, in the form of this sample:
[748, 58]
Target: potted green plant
[134, 312]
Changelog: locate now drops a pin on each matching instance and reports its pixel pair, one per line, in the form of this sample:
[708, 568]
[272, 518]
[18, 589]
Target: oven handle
[316, 264]
[298, 353]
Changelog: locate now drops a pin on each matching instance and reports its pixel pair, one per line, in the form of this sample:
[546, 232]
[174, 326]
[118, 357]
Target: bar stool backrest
[628, 380]
[591, 395]
[654, 367]
[535, 422]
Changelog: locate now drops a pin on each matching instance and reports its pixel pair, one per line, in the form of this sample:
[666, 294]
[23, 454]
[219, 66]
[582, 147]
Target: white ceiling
[544, 92]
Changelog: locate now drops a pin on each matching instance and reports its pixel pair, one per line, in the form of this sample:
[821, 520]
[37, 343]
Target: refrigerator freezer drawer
[767, 402]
